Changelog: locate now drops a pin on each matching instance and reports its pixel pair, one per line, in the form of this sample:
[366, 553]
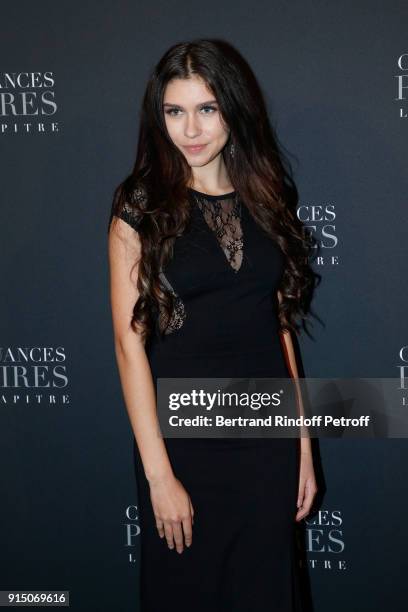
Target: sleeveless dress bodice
[224, 274]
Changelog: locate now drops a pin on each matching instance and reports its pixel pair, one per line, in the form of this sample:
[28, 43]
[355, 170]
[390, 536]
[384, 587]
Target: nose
[192, 126]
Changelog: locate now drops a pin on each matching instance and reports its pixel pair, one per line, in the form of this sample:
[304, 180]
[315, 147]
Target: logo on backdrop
[402, 85]
[132, 531]
[320, 220]
[403, 373]
[33, 375]
[324, 544]
[325, 541]
[27, 103]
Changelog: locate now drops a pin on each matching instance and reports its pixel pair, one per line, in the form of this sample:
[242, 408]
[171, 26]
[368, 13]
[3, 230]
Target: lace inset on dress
[179, 312]
[223, 216]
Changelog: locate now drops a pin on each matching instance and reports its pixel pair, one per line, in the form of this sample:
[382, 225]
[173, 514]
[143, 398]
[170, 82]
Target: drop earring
[232, 149]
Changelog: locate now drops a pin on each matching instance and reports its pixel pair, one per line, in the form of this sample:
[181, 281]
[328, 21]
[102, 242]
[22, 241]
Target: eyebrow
[200, 104]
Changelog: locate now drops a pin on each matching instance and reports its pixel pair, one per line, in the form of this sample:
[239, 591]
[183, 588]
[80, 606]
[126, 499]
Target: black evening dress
[224, 274]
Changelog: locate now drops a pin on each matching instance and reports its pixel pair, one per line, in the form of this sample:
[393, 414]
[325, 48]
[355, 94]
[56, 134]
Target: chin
[197, 164]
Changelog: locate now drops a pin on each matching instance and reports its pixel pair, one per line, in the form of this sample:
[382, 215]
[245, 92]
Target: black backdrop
[335, 76]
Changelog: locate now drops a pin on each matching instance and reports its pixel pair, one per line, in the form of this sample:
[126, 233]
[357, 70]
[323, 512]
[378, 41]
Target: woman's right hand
[173, 511]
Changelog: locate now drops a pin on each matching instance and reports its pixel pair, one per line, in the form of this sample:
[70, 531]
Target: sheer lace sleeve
[131, 211]
[130, 216]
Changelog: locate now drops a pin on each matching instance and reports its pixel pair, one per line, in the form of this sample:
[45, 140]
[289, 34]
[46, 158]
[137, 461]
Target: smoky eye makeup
[208, 107]
[211, 107]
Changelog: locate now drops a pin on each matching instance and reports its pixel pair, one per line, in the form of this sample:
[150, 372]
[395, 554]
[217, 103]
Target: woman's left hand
[307, 486]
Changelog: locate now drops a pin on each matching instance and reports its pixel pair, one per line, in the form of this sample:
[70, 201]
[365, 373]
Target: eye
[172, 112]
[208, 110]
[211, 108]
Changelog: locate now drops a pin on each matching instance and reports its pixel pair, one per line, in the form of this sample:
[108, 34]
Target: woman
[209, 273]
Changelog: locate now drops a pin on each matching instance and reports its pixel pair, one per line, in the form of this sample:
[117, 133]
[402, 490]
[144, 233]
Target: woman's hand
[173, 511]
[307, 486]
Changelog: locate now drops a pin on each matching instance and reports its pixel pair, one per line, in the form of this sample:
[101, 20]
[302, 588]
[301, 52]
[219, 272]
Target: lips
[195, 148]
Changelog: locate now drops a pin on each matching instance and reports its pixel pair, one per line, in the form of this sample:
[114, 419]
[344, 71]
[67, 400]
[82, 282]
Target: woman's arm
[289, 351]
[134, 369]
[307, 487]
[172, 506]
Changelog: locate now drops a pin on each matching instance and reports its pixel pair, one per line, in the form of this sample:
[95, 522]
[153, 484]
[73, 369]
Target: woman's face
[193, 120]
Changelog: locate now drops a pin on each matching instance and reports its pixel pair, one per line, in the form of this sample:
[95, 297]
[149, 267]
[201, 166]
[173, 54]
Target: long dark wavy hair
[259, 172]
